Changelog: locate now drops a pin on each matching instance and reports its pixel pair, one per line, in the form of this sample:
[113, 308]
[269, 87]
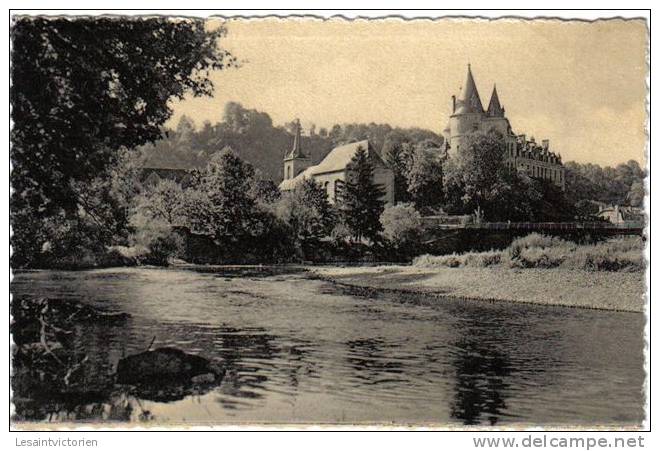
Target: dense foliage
[309, 216]
[83, 89]
[621, 185]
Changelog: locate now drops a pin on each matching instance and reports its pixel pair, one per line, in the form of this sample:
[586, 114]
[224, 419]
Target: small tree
[402, 227]
[360, 198]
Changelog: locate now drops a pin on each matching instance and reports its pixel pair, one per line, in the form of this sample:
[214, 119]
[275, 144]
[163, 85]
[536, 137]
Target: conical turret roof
[494, 107]
[469, 102]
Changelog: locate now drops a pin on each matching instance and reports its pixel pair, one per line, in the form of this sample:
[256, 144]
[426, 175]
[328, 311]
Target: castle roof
[494, 107]
[469, 102]
[337, 160]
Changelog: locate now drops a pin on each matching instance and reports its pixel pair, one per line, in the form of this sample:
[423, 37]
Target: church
[522, 154]
[332, 171]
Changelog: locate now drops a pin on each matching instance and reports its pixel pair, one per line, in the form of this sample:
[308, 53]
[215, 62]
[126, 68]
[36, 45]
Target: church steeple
[295, 160]
[470, 102]
[296, 151]
[494, 107]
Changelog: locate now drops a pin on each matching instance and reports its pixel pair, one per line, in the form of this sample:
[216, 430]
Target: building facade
[331, 173]
[522, 154]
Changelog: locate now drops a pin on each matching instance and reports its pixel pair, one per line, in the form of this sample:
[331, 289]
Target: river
[299, 350]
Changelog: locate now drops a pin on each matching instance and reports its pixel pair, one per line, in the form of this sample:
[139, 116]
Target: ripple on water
[299, 350]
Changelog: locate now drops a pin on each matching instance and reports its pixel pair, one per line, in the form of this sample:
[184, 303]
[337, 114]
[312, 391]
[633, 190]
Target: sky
[582, 85]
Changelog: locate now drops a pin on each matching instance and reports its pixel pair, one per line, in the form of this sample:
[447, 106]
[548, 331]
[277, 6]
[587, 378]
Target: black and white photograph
[331, 220]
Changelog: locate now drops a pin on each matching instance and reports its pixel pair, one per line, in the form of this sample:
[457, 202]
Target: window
[288, 172]
[338, 186]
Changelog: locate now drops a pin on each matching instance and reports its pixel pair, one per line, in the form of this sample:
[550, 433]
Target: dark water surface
[298, 350]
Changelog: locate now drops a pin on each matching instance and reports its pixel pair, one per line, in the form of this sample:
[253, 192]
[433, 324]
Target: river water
[299, 350]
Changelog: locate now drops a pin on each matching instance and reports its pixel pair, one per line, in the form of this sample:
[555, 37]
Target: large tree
[477, 170]
[425, 179]
[84, 88]
[360, 198]
[221, 202]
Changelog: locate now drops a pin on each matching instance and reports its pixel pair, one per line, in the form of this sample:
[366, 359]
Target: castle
[523, 155]
[468, 115]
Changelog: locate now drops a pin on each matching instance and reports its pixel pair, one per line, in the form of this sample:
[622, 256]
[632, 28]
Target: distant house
[332, 171]
[631, 216]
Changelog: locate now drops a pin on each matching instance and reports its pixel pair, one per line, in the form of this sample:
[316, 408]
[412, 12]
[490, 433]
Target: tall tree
[478, 168]
[360, 198]
[397, 152]
[84, 88]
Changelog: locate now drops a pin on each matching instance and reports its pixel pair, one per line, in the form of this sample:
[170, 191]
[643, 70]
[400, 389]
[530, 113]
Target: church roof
[494, 107]
[335, 161]
[469, 102]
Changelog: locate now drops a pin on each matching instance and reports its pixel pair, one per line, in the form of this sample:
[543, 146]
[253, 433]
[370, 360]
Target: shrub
[540, 251]
[539, 258]
[402, 230]
[161, 248]
[431, 261]
[490, 258]
[401, 223]
[622, 254]
[155, 236]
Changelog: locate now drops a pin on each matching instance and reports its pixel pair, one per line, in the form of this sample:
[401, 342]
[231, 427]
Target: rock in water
[165, 365]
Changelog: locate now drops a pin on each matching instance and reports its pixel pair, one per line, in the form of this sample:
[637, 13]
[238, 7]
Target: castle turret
[470, 102]
[468, 113]
[494, 107]
[295, 161]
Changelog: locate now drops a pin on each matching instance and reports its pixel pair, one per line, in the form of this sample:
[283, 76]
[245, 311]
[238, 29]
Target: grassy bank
[534, 269]
[544, 252]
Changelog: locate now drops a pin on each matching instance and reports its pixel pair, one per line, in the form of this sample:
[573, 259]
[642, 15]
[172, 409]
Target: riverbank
[620, 291]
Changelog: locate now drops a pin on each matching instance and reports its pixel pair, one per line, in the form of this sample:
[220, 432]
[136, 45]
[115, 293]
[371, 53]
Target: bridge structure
[628, 228]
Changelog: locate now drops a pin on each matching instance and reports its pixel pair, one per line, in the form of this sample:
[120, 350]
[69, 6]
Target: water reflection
[296, 350]
[372, 362]
[481, 386]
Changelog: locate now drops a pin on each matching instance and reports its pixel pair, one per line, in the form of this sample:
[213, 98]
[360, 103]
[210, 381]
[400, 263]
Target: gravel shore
[621, 291]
